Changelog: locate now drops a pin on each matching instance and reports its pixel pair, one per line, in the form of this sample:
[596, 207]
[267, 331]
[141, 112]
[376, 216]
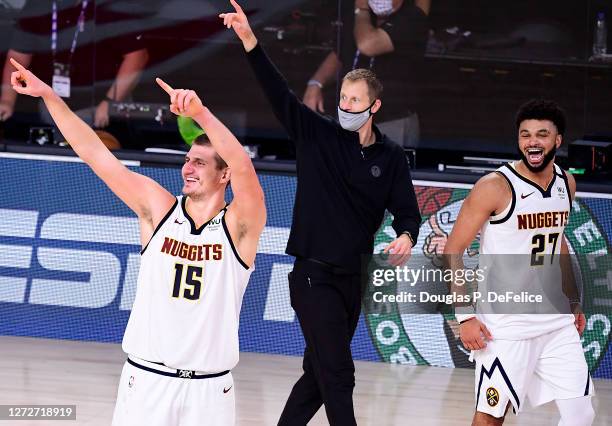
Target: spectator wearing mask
[388, 37]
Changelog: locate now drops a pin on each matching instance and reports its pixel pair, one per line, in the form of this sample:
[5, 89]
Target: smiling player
[522, 209]
[197, 257]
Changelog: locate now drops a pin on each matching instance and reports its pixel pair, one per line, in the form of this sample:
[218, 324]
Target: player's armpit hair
[242, 230]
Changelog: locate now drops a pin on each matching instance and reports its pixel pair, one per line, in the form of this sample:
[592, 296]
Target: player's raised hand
[26, 83]
[182, 102]
[239, 22]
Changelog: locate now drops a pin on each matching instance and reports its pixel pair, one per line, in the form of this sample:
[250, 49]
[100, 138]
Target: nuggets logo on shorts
[492, 397]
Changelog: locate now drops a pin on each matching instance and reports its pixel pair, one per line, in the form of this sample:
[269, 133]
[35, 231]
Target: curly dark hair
[542, 109]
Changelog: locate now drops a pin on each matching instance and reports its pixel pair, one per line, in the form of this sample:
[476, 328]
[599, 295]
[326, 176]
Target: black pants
[327, 304]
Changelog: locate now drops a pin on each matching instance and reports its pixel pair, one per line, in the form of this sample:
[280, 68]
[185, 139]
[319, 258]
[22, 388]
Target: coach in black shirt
[348, 174]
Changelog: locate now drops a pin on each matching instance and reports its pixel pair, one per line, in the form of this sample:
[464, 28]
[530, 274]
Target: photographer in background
[78, 46]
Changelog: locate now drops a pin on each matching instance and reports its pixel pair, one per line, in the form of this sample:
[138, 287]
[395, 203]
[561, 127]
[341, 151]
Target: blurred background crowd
[453, 71]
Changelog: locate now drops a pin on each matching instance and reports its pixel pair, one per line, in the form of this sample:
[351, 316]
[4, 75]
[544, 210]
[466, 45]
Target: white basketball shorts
[148, 397]
[542, 369]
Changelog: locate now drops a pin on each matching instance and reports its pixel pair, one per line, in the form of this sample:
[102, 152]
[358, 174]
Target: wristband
[464, 313]
[409, 237]
[313, 82]
[464, 318]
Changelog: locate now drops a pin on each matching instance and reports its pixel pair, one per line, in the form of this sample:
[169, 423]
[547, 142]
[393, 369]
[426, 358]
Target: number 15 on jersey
[187, 281]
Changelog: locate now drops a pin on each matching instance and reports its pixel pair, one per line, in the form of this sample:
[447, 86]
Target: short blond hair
[375, 87]
[203, 140]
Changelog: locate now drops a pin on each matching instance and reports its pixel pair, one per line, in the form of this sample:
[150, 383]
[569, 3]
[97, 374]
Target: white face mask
[354, 121]
[381, 7]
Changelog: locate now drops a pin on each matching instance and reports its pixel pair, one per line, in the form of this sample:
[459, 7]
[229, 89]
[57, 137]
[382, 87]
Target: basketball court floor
[43, 371]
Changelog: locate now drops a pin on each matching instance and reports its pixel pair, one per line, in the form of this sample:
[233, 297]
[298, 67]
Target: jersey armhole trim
[512, 203]
[567, 188]
[588, 385]
[229, 238]
[160, 225]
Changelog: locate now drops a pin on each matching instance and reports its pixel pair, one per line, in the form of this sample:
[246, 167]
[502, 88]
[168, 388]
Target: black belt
[326, 266]
[181, 374]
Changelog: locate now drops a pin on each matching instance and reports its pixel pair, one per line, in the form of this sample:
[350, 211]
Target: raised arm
[370, 40]
[149, 200]
[296, 118]
[246, 216]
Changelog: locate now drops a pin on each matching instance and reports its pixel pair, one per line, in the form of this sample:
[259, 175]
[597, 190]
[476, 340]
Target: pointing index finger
[17, 65]
[167, 88]
[236, 6]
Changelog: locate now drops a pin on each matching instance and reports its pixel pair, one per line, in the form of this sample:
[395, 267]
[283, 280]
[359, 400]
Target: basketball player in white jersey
[522, 209]
[198, 253]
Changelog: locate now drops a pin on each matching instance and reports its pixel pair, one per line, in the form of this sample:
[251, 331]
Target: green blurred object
[188, 129]
[576, 171]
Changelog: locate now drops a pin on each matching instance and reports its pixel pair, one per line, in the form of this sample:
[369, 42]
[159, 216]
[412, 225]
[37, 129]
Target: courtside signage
[69, 259]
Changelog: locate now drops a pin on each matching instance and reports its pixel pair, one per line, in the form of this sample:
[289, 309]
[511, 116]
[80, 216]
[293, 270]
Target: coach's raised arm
[348, 174]
[296, 118]
[342, 150]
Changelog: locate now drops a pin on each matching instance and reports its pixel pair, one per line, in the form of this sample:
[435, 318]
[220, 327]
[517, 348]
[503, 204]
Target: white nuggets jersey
[190, 288]
[531, 226]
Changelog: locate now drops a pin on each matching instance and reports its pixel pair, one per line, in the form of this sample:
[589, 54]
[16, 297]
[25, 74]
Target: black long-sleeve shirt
[343, 189]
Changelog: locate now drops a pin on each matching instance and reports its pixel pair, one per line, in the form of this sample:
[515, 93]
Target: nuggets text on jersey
[190, 252]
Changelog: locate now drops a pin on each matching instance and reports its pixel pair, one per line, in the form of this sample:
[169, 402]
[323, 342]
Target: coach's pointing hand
[26, 83]
[182, 102]
[239, 22]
